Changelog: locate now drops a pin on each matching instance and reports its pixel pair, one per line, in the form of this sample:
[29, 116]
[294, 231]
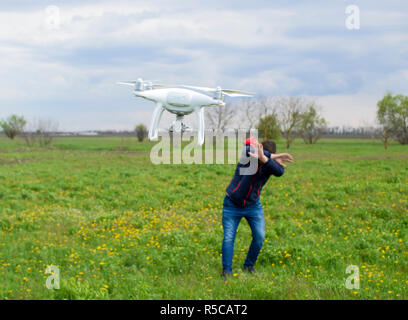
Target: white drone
[181, 100]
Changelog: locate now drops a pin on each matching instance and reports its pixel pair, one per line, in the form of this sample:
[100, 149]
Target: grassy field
[119, 227]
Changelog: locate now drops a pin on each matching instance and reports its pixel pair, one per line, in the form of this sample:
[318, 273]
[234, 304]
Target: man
[242, 200]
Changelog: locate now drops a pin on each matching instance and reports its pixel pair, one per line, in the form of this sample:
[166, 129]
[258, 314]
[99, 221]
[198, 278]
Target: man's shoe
[226, 274]
[249, 269]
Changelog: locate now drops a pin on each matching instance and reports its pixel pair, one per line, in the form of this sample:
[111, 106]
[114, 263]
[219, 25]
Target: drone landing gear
[179, 126]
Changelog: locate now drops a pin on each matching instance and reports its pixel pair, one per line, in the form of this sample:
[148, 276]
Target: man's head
[269, 145]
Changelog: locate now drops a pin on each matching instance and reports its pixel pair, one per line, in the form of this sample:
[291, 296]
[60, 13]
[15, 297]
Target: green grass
[119, 227]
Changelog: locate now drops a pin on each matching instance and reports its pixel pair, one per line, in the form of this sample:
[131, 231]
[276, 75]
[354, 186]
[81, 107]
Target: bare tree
[220, 118]
[45, 131]
[41, 131]
[252, 110]
[29, 135]
[291, 110]
[250, 117]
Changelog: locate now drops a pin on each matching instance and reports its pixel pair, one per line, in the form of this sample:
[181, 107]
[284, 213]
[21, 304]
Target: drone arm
[154, 125]
[200, 125]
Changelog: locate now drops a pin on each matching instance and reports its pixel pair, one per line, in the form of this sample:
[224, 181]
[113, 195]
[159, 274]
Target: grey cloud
[306, 51]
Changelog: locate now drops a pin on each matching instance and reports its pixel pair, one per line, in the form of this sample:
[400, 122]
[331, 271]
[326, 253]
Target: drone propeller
[237, 94]
[128, 83]
[141, 84]
[228, 92]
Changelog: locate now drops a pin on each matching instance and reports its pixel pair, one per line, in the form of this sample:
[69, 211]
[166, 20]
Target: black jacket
[245, 190]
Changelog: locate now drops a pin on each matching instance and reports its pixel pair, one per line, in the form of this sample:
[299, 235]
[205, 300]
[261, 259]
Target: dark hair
[269, 145]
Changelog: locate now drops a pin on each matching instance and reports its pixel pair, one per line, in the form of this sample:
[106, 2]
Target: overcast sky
[68, 72]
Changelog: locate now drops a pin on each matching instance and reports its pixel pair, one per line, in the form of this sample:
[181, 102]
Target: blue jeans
[231, 217]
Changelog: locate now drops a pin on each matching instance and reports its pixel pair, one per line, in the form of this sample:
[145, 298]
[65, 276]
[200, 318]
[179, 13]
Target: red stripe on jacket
[252, 182]
[236, 187]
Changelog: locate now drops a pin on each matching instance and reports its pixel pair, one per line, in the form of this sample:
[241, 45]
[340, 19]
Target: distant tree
[252, 110]
[45, 131]
[30, 136]
[291, 110]
[385, 136]
[41, 131]
[249, 113]
[392, 114]
[269, 127]
[13, 125]
[141, 132]
[313, 125]
[220, 118]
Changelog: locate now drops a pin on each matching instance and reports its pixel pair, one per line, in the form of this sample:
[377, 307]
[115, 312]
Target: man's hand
[259, 153]
[279, 158]
[282, 156]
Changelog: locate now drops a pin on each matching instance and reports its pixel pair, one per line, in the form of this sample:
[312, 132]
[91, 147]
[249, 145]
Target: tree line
[274, 117]
[286, 117]
[39, 132]
[299, 117]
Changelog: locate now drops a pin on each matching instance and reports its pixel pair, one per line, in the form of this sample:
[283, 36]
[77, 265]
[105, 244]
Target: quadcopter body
[181, 100]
